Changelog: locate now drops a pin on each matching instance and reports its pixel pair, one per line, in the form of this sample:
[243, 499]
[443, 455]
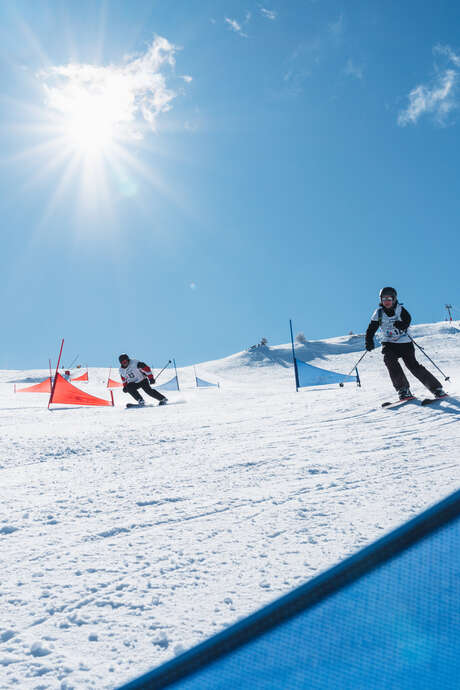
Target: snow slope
[128, 536]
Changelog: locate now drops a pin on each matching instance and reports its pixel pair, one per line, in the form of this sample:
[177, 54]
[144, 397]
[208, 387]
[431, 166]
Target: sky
[180, 179]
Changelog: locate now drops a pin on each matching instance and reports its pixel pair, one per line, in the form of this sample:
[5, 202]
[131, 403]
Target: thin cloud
[268, 14]
[336, 28]
[351, 69]
[136, 90]
[236, 27]
[308, 55]
[437, 98]
[300, 64]
[447, 50]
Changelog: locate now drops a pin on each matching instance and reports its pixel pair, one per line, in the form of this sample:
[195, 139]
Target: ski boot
[405, 394]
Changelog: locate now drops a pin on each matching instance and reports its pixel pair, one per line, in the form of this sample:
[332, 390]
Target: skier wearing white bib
[134, 375]
[394, 320]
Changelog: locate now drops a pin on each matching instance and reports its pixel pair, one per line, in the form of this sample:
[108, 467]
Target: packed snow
[127, 536]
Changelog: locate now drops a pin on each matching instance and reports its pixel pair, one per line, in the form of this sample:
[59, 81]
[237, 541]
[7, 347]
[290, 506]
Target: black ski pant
[392, 352]
[132, 388]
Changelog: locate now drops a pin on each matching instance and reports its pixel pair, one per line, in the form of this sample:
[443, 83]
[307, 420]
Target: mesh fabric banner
[385, 618]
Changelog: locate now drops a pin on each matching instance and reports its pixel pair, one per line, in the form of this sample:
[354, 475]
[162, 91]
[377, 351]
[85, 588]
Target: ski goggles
[387, 298]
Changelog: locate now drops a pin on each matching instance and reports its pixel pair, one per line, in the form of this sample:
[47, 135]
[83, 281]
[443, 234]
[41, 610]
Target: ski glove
[370, 346]
[151, 380]
[400, 326]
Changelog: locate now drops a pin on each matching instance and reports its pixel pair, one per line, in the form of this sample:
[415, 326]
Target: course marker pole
[295, 361]
[56, 375]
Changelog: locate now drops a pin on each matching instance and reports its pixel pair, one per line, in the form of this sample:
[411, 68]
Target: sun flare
[94, 126]
[90, 126]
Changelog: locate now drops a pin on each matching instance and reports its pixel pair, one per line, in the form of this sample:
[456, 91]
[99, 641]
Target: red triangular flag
[43, 387]
[114, 384]
[65, 393]
[83, 377]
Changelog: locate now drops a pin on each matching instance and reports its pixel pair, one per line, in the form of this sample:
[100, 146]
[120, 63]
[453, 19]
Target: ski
[130, 406]
[397, 403]
[425, 401]
[428, 401]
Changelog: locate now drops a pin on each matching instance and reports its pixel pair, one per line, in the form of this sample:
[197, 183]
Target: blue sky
[181, 178]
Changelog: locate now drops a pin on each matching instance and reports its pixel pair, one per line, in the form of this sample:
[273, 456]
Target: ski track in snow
[127, 537]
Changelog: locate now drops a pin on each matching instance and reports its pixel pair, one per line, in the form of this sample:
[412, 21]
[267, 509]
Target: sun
[90, 124]
[94, 109]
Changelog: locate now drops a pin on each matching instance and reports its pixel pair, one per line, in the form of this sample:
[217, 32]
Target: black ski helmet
[122, 357]
[391, 292]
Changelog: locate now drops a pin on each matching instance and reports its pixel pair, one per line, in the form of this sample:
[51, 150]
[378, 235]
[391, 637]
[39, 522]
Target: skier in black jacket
[394, 320]
[134, 375]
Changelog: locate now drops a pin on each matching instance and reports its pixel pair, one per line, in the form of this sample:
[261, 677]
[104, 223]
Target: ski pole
[359, 360]
[168, 362]
[447, 378]
[73, 362]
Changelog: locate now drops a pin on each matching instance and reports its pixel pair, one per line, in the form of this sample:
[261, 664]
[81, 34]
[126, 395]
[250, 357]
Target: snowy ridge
[128, 537]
